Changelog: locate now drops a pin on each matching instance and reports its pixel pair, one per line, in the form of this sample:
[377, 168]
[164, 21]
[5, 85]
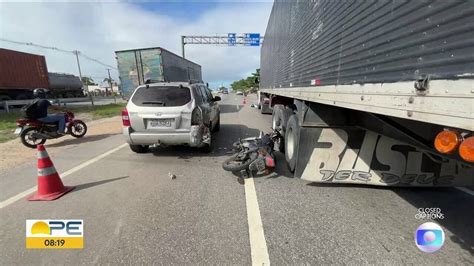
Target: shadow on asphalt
[317, 184]
[84, 139]
[229, 108]
[455, 205]
[221, 142]
[97, 183]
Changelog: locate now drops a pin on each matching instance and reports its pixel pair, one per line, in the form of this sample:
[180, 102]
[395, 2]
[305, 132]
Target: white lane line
[25, 193]
[466, 190]
[258, 245]
[237, 107]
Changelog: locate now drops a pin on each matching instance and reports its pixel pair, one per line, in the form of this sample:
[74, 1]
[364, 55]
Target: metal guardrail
[6, 104]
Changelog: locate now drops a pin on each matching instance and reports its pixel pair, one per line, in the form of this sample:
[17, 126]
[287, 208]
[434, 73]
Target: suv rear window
[161, 96]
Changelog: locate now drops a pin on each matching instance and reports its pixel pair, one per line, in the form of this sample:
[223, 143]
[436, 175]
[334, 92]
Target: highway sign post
[231, 39]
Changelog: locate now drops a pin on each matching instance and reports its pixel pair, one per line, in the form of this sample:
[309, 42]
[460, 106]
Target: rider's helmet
[40, 93]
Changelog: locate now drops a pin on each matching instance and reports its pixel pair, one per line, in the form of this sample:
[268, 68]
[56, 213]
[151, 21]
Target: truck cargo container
[21, 73]
[372, 92]
[139, 65]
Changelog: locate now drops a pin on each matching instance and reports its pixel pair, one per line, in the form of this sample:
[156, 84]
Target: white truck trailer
[372, 92]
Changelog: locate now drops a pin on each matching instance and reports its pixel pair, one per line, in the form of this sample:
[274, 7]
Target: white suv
[171, 113]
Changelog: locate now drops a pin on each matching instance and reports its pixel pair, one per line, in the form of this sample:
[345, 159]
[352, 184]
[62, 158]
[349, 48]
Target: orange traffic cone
[50, 186]
[244, 101]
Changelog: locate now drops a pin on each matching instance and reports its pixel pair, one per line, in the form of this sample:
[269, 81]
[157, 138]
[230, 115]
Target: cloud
[99, 29]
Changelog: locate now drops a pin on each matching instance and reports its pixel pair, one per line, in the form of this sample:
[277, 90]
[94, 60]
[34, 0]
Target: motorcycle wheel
[233, 164]
[28, 140]
[78, 129]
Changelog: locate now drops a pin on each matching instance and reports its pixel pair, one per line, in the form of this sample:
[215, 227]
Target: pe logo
[54, 233]
[429, 237]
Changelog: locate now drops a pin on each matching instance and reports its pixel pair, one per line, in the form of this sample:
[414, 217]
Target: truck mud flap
[357, 156]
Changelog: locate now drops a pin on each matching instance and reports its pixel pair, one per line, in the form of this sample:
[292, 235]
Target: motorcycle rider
[41, 110]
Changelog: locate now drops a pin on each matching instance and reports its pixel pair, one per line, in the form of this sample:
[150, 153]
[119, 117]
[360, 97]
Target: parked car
[239, 93]
[171, 113]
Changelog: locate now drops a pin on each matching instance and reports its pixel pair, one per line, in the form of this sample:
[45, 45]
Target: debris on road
[171, 175]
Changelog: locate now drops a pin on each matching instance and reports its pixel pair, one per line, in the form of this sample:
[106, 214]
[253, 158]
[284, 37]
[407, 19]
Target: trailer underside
[340, 145]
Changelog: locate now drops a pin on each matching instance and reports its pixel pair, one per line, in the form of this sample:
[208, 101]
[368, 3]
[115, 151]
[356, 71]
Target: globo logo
[429, 237]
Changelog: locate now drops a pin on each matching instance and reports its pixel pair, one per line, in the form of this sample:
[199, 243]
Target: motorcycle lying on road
[34, 132]
[255, 154]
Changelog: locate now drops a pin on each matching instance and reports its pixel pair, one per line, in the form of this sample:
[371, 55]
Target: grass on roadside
[99, 111]
[8, 120]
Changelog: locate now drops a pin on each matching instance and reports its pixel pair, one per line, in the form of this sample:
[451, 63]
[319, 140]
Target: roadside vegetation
[249, 84]
[8, 120]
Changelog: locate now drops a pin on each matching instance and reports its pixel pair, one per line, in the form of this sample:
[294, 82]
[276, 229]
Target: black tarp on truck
[139, 65]
[355, 42]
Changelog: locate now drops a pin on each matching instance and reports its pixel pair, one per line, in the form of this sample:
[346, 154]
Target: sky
[97, 29]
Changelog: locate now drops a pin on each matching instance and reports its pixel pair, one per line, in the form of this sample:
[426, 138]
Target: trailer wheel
[292, 138]
[280, 118]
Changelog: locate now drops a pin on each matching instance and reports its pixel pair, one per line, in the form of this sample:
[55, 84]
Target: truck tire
[280, 118]
[292, 138]
[139, 148]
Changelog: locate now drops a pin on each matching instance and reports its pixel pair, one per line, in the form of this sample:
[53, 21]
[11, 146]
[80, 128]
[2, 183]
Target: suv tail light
[125, 118]
[196, 116]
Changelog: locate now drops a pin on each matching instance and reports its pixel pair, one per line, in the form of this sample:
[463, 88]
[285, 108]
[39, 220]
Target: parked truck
[372, 92]
[138, 66]
[21, 73]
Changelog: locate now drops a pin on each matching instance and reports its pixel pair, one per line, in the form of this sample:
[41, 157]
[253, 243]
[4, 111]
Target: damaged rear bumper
[197, 136]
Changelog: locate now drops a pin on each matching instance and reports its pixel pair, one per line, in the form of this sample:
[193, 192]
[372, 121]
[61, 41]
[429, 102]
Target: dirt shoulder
[14, 153]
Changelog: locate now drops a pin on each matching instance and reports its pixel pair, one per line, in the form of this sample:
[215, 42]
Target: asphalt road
[134, 213]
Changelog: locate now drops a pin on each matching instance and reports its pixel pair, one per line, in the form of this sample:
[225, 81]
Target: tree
[88, 81]
[109, 80]
[251, 83]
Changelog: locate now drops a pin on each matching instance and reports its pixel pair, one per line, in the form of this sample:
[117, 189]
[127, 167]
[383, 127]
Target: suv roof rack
[192, 81]
[149, 81]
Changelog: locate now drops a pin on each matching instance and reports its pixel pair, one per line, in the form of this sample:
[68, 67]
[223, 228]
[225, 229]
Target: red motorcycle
[33, 132]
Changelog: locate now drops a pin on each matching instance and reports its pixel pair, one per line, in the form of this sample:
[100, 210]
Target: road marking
[25, 193]
[466, 190]
[237, 107]
[258, 245]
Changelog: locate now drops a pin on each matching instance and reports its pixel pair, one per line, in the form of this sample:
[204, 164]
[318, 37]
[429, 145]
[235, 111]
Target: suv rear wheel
[217, 127]
[207, 148]
[139, 148]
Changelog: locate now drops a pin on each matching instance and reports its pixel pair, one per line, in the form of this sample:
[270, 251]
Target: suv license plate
[159, 123]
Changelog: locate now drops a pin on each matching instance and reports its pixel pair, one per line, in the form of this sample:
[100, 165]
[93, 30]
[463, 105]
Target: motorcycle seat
[28, 121]
[25, 120]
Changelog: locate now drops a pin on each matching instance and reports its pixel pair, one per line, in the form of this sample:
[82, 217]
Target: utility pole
[80, 76]
[182, 45]
[111, 88]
